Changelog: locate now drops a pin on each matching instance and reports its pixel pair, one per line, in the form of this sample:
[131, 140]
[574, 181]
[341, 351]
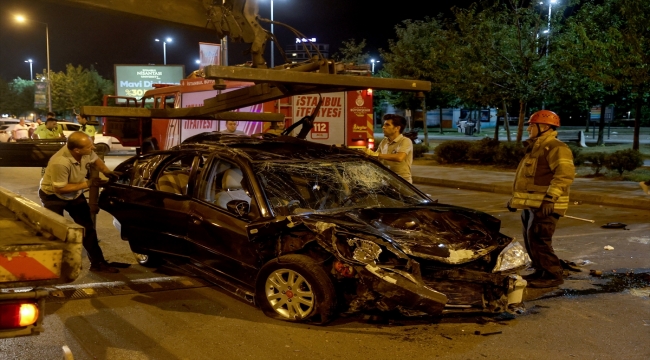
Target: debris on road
[614, 225]
[581, 262]
[608, 247]
[595, 273]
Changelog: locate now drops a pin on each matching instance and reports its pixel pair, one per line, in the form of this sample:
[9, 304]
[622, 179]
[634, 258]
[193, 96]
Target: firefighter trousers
[538, 235]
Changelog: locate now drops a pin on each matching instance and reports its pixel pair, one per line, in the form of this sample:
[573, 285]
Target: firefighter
[541, 190]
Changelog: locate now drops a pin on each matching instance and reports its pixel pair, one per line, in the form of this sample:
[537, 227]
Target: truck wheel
[295, 288]
[148, 260]
[102, 148]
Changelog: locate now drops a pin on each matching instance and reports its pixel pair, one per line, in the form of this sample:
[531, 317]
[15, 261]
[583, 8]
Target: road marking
[113, 288]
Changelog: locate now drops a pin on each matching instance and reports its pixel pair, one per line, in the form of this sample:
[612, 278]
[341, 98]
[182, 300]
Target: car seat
[173, 182]
[232, 189]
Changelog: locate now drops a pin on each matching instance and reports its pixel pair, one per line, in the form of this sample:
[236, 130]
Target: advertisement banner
[360, 117]
[329, 123]
[209, 54]
[595, 114]
[135, 80]
[194, 127]
[40, 95]
[248, 127]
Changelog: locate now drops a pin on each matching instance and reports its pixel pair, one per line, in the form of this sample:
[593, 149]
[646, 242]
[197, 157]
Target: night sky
[81, 36]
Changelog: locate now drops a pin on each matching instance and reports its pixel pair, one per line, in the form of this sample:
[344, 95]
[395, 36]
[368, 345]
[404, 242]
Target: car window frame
[152, 184]
[212, 161]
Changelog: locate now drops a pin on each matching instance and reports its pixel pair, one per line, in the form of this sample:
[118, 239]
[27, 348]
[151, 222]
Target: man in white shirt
[231, 128]
[395, 151]
[21, 131]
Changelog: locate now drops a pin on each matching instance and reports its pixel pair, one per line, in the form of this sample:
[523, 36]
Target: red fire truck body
[344, 118]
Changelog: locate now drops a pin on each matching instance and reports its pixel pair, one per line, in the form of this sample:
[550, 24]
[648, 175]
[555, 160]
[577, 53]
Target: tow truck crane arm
[239, 21]
[236, 19]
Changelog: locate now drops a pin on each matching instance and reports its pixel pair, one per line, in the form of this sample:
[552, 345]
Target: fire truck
[344, 118]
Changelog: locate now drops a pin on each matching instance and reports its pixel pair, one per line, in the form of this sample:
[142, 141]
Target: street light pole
[22, 19]
[165, 49]
[373, 61]
[31, 73]
[49, 83]
[548, 27]
[272, 45]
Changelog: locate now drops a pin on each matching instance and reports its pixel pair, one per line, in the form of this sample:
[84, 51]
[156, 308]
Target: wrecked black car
[306, 230]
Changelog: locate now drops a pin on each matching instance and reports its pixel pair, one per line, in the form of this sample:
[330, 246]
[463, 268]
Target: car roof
[269, 147]
[7, 121]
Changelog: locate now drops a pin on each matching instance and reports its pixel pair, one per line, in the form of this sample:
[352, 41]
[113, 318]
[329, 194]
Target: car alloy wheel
[148, 260]
[295, 288]
[289, 294]
[102, 149]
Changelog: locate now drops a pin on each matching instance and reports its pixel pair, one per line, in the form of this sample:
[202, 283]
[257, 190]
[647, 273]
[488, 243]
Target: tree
[17, 97]
[504, 52]
[619, 48]
[422, 51]
[352, 53]
[77, 87]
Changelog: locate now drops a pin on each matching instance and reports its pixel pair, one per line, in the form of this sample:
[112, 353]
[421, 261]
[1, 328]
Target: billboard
[209, 54]
[135, 80]
[594, 114]
[40, 95]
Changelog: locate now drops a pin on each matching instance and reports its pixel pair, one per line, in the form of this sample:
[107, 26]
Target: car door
[219, 235]
[154, 214]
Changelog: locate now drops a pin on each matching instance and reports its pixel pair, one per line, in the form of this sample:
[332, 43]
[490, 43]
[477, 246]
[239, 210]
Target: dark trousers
[80, 213]
[538, 234]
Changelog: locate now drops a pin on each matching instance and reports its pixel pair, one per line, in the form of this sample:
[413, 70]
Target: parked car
[306, 230]
[6, 129]
[103, 144]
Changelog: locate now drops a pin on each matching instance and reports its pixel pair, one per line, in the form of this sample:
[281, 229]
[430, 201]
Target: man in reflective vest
[541, 189]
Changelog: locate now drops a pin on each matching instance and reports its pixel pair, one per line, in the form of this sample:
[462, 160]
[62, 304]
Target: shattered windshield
[300, 187]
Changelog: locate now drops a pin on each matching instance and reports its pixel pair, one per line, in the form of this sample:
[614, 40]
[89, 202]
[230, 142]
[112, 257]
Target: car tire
[148, 260]
[280, 278]
[102, 149]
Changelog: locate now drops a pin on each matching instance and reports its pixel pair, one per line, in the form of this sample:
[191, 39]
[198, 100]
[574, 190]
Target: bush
[483, 151]
[509, 154]
[624, 160]
[419, 150]
[453, 151]
[578, 158]
[596, 161]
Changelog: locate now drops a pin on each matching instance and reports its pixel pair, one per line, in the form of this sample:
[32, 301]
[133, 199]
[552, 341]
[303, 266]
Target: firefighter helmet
[545, 117]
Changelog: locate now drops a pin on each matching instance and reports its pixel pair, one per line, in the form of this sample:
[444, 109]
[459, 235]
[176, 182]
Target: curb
[586, 197]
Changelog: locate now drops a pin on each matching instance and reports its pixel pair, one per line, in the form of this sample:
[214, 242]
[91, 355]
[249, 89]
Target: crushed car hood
[439, 232]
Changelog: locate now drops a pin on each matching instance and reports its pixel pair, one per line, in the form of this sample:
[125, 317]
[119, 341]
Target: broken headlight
[365, 251]
[513, 256]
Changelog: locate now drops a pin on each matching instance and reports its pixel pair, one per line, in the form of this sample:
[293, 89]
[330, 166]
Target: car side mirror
[239, 207]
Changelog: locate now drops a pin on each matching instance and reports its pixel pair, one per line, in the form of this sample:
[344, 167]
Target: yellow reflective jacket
[545, 173]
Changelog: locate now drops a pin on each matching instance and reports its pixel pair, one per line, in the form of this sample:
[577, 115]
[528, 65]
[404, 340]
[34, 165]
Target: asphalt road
[162, 314]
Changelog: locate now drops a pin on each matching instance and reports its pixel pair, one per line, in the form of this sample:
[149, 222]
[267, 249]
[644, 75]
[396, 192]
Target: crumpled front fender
[398, 290]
